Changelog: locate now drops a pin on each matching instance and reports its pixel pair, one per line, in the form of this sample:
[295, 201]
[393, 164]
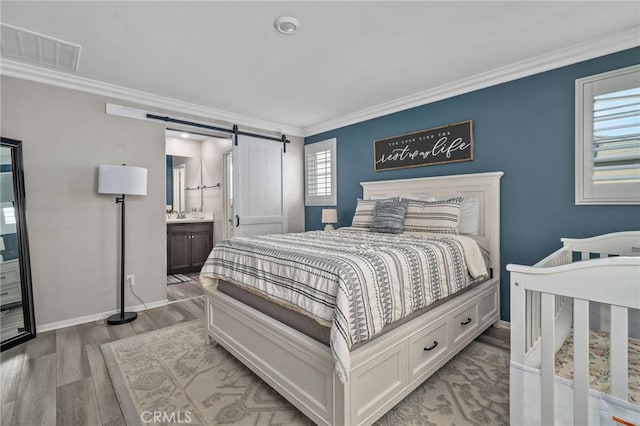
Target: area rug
[173, 376]
[179, 278]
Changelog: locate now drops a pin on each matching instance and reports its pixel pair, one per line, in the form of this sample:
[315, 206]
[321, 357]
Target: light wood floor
[500, 337]
[60, 377]
[186, 290]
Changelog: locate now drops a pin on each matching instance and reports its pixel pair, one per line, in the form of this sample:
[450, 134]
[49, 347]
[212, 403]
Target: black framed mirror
[17, 318]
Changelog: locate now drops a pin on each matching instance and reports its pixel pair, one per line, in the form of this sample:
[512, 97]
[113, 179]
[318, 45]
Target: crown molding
[577, 53]
[610, 44]
[11, 68]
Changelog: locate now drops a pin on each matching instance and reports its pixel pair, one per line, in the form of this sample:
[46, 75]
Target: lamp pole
[123, 317]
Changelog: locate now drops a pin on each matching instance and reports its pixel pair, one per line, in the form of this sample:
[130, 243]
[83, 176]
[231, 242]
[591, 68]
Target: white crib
[550, 298]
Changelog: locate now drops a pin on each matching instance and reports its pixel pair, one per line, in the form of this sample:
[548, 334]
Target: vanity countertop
[189, 220]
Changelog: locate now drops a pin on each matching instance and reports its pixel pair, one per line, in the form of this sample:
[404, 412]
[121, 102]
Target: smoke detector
[286, 25]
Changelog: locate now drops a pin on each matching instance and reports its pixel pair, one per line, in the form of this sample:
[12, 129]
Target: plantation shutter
[616, 136]
[320, 173]
[608, 137]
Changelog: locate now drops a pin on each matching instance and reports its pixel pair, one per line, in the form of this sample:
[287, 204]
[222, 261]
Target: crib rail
[541, 298]
[566, 280]
[562, 256]
[617, 243]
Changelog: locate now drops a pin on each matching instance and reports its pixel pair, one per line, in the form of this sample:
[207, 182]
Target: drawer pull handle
[435, 343]
[4, 294]
[466, 322]
[3, 277]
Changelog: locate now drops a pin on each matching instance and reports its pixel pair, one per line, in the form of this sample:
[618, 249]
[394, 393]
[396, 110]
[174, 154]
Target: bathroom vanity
[189, 242]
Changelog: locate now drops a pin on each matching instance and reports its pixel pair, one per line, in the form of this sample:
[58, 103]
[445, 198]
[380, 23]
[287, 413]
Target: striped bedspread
[354, 281]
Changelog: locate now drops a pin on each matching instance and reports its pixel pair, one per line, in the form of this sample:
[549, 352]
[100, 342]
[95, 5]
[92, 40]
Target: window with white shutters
[320, 173]
[608, 138]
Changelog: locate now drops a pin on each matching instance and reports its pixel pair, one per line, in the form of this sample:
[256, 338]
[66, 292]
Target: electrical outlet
[131, 279]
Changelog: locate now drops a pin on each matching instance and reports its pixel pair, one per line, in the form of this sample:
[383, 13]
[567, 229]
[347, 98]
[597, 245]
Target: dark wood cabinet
[188, 245]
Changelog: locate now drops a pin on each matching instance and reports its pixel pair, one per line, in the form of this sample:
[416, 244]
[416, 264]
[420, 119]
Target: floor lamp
[122, 180]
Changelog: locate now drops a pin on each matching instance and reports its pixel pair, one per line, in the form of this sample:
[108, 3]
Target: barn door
[258, 187]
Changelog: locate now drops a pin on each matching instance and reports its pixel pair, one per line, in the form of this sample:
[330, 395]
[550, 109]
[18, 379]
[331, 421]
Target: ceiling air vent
[38, 49]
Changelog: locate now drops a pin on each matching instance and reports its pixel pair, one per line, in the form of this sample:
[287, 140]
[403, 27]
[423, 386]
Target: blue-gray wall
[526, 129]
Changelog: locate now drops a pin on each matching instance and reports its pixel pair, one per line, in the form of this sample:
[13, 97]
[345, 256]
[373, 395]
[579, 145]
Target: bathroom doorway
[195, 205]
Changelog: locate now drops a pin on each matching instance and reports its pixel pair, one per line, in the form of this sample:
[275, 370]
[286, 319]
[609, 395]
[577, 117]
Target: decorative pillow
[363, 217]
[469, 223]
[388, 218]
[433, 216]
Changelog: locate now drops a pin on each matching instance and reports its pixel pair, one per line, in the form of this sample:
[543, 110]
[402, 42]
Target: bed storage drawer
[10, 289]
[10, 275]
[464, 322]
[11, 293]
[489, 306]
[427, 347]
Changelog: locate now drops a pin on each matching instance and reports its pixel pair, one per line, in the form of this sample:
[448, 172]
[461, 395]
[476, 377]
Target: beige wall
[73, 231]
[294, 185]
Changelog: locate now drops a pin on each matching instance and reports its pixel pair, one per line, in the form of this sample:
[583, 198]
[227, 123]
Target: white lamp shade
[329, 216]
[122, 180]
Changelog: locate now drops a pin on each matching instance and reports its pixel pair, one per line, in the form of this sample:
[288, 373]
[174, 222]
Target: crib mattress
[599, 363]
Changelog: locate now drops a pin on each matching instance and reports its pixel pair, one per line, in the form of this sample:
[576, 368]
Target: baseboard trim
[95, 317]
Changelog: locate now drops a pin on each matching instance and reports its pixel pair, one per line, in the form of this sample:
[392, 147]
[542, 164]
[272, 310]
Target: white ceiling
[347, 56]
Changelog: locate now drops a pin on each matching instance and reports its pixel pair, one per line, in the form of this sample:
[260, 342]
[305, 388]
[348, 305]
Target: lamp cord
[137, 297]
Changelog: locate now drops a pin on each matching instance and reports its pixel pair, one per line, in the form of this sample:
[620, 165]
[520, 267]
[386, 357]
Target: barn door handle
[435, 343]
[237, 221]
[466, 322]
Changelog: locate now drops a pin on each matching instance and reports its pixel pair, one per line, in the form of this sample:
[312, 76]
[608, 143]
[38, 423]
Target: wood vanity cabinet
[188, 245]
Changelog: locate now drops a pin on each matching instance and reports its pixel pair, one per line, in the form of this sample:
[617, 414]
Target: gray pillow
[388, 218]
[363, 216]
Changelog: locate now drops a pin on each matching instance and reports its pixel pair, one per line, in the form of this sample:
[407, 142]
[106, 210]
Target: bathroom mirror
[16, 298]
[184, 180]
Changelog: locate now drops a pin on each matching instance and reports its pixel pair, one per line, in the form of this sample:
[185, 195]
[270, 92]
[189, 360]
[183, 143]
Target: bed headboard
[484, 186]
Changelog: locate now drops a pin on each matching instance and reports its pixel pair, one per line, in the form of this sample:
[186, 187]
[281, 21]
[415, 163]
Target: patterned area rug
[174, 376]
[180, 278]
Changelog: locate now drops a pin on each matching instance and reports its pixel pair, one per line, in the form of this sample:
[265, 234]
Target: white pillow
[469, 216]
[469, 223]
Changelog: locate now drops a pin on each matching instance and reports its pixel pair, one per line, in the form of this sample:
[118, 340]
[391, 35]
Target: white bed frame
[388, 368]
[546, 300]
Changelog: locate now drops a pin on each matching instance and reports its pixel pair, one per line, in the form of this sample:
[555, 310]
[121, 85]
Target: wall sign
[439, 145]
